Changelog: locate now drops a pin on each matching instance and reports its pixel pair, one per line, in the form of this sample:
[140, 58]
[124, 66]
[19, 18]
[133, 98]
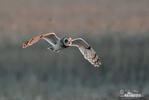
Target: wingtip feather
[24, 45]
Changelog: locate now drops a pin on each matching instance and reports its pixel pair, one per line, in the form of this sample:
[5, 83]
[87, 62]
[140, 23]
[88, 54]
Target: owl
[57, 44]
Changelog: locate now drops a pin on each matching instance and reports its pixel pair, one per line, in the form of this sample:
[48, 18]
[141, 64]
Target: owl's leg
[51, 48]
[57, 51]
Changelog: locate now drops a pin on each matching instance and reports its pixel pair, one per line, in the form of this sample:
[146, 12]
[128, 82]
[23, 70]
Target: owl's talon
[50, 48]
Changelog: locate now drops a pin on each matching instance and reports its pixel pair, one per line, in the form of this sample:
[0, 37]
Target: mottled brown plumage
[87, 51]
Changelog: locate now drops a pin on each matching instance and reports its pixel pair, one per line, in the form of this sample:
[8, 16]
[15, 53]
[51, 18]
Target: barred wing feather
[87, 51]
[50, 37]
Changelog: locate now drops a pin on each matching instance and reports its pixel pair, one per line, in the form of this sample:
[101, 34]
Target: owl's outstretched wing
[49, 37]
[87, 51]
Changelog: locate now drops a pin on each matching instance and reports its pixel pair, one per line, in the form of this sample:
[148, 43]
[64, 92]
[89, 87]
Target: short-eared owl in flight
[58, 44]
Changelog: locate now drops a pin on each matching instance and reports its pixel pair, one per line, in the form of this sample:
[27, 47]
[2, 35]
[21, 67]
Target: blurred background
[116, 29]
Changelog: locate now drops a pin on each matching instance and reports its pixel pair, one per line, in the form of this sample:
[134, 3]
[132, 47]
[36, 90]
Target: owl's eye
[66, 41]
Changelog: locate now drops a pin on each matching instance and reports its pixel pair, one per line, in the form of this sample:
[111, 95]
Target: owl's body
[57, 47]
[57, 44]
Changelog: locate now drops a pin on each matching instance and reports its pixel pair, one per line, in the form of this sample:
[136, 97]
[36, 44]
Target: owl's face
[67, 41]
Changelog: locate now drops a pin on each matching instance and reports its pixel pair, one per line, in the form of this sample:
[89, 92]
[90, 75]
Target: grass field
[36, 73]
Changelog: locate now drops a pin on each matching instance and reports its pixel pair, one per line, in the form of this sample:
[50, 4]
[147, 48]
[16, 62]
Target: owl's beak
[70, 41]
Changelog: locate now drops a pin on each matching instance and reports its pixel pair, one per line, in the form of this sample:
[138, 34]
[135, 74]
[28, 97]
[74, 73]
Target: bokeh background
[116, 29]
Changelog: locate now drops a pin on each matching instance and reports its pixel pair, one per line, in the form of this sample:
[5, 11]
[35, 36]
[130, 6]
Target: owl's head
[67, 41]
